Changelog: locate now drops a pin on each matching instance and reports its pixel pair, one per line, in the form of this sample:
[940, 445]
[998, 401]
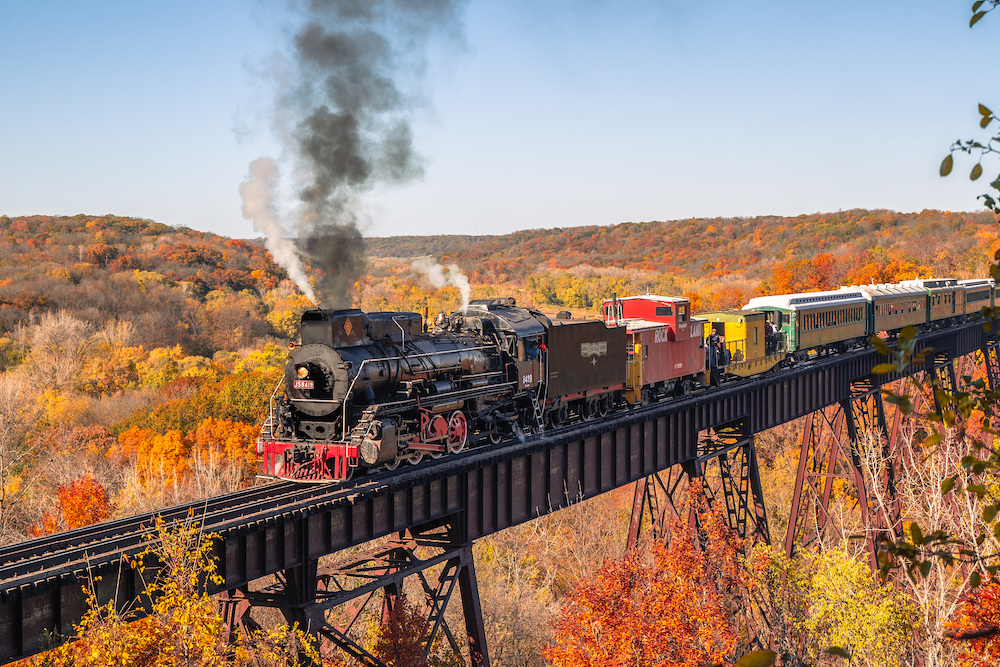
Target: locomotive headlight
[302, 372]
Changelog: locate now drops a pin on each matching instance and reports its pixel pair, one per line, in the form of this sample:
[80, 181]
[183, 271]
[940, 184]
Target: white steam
[258, 192]
[440, 276]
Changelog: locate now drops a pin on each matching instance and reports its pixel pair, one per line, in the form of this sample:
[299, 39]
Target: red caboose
[666, 345]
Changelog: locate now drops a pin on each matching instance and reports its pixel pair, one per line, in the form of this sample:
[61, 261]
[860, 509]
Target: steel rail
[75, 551]
[15, 553]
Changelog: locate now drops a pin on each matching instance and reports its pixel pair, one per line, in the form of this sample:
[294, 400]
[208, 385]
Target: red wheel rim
[458, 432]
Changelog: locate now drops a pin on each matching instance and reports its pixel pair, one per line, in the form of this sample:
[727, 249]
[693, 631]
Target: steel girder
[871, 473]
[866, 460]
[991, 358]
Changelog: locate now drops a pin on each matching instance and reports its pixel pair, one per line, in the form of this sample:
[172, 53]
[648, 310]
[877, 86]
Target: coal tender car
[369, 390]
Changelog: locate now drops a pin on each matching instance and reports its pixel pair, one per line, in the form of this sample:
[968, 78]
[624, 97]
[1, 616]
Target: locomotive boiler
[370, 389]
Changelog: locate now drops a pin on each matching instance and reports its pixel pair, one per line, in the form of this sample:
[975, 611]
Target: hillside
[136, 362]
[718, 262]
[698, 247]
[175, 286]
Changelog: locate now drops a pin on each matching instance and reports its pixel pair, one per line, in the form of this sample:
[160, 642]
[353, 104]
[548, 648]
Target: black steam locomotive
[367, 390]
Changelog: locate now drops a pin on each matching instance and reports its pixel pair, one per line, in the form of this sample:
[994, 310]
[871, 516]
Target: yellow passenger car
[750, 349]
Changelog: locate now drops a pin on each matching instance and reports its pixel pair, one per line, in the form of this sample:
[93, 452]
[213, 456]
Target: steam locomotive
[374, 390]
[368, 390]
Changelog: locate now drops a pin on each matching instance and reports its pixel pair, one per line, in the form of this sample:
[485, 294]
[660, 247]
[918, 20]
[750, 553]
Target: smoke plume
[258, 194]
[439, 276]
[355, 62]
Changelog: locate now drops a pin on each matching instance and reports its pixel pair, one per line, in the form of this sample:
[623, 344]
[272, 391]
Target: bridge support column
[727, 466]
[991, 360]
[818, 458]
[655, 496]
[331, 599]
[235, 608]
[869, 464]
[944, 377]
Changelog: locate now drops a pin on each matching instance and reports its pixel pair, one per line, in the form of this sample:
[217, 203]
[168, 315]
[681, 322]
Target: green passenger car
[820, 321]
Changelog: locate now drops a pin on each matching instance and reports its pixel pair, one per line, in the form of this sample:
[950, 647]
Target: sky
[545, 113]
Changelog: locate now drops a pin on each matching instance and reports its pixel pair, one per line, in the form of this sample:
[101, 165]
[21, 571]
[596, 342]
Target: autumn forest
[137, 361]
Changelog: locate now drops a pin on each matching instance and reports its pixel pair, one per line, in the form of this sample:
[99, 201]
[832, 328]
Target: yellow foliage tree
[184, 626]
[848, 607]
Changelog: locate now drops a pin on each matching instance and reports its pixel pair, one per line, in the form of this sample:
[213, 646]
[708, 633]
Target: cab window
[664, 311]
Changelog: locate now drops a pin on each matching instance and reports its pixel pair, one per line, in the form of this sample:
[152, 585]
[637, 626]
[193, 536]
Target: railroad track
[73, 552]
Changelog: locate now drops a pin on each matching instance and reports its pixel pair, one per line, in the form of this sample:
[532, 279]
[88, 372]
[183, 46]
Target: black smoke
[359, 63]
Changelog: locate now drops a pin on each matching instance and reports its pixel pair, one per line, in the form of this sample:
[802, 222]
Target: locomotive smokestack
[358, 66]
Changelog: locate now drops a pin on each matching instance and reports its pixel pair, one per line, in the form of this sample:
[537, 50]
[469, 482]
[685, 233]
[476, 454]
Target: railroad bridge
[283, 529]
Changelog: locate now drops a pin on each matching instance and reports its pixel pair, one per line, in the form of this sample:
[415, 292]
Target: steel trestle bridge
[436, 510]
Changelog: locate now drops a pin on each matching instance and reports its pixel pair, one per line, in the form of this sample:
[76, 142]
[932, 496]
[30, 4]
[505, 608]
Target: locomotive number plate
[303, 384]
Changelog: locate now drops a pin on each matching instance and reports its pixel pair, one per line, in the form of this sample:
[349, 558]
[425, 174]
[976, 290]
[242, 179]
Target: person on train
[770, 337]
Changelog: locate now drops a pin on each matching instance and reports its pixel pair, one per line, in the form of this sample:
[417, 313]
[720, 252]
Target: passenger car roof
[807, 300]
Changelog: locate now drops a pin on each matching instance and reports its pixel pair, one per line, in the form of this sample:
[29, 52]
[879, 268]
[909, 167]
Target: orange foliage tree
[215, 448]
[228, 440]
[975, 627]
[804, 275]
[81, 503]
[667, 607]
[400, 643]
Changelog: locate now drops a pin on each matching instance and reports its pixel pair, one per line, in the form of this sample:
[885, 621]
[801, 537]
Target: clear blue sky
[556, 112]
